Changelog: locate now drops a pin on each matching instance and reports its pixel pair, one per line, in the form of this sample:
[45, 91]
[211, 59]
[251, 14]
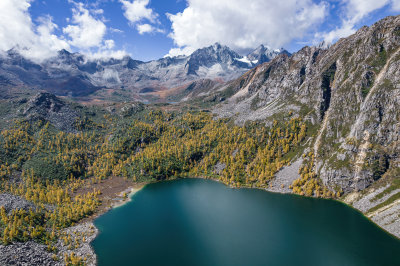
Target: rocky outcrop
[47, 106]
[11, 202]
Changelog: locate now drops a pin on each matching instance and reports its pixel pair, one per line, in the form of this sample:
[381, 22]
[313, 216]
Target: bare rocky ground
[26, 254]
[285, 177]
[11, 202]
[33, 253]
[386, 217]
[82, 235]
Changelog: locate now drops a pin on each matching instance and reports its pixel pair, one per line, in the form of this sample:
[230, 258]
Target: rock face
[349, 91]
[75, 75]
[265, 54]
[47, 106]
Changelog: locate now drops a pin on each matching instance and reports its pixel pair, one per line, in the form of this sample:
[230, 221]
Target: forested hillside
[46, 166]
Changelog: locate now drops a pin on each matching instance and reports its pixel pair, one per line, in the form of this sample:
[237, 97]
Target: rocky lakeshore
[73, 241]
[370, 203]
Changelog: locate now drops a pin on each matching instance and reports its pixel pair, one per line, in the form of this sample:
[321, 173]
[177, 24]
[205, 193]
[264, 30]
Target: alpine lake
[203, 222]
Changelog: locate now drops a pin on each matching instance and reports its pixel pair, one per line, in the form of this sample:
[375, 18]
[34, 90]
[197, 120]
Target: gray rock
[11, 202]
[48, 107]
[26, 254]
[73, 74]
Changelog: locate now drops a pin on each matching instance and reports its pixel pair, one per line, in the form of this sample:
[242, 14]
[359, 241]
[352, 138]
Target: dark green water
[200, 222]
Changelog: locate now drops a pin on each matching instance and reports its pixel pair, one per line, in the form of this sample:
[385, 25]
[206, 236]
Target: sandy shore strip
[126, 196]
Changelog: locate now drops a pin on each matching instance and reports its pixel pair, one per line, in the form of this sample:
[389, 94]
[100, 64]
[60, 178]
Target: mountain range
[76, 75]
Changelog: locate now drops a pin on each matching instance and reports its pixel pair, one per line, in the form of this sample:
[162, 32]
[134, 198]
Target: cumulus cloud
[147, 28]
[109, 44]
[19, 32]
[37, 39]
[138, 11]
[243, 24]
[396, 5]
[353, 13]
[86, 31]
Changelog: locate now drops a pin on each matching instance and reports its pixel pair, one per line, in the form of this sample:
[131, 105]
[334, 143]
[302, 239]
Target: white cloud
[106, 54]
[114, 30]
[46, 38]
[19, 32]
[396, 5]
[243, 24]
[38, 41]
[16, 25]
[87, 32]
[354, 12]
[109, 44]
[180, 51]
[147, 28]
[137, 11]
[329, 37]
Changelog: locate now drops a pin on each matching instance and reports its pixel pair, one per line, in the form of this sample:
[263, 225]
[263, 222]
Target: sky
[152, 29]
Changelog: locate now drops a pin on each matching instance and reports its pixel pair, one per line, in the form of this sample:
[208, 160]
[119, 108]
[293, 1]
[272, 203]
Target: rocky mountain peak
[210, 56]
[74, 74]
[264, 54]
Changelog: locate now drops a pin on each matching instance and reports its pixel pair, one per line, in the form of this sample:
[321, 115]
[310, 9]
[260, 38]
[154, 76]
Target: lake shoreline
[132, 189]
[276, 189]
[115, 199]
[149, 195]
[282, 190]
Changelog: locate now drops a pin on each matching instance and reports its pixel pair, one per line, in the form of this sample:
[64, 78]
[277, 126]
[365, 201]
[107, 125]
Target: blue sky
[150, 29]
[139, 46]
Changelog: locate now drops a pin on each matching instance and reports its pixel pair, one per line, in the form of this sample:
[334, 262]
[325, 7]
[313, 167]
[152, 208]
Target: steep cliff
[350, 92]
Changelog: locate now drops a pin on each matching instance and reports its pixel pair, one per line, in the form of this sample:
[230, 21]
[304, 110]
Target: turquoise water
[202, 222]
